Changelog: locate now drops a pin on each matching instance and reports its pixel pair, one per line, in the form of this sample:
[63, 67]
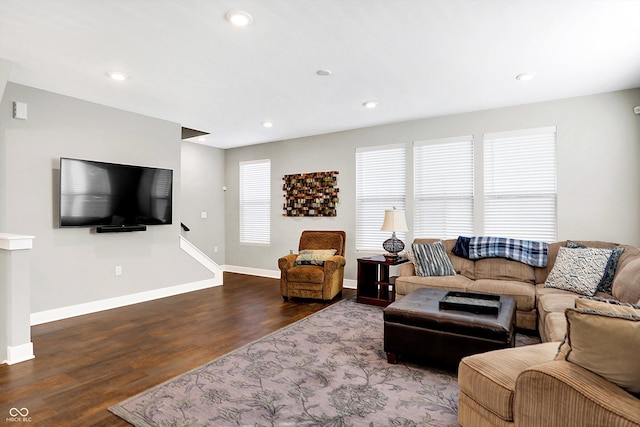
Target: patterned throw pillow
[314, 256]
[432, 260]
[609, 271]
[578, 270]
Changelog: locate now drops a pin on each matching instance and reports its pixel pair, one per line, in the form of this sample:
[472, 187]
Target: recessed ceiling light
[117, 75]
[238, 18]
[202, 139]
[370, 104]
[267, 124]
[525, 77]
[323, 73]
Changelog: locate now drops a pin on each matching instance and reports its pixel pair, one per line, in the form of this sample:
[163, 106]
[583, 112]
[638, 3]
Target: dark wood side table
[375, 287]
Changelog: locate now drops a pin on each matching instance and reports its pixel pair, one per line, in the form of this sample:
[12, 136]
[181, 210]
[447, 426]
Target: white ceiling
[416, 58]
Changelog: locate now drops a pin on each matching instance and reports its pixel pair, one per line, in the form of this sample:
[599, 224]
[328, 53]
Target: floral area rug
[328, 369]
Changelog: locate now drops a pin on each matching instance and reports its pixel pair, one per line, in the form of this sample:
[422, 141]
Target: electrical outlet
[203, 214]
[215, 249]
[118, 270]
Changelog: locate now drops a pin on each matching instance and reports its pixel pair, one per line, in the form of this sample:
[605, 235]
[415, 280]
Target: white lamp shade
[394, 220]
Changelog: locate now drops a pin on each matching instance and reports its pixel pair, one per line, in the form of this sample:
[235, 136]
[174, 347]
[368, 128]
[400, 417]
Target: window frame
[382, 186]
[529, 200]
[254, 198]
[447, 179]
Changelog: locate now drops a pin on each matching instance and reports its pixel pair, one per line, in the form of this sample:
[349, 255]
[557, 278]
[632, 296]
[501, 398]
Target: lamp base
[393, 246]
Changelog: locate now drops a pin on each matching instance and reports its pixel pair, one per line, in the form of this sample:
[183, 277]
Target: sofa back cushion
[626, 284]
[607, 305]
[630, 254]
[504, 269]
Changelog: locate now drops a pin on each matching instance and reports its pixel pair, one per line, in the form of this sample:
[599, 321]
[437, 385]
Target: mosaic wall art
[310, 194]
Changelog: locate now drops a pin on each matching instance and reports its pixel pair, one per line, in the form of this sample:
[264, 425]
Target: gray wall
[202, 191]
[598, 186]
[5, 70]
[74, 266]
[598, 171]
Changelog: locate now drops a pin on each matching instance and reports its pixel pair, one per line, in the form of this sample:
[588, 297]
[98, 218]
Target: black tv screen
[108, 194]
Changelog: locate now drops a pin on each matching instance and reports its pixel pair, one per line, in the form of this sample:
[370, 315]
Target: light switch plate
[19, 110]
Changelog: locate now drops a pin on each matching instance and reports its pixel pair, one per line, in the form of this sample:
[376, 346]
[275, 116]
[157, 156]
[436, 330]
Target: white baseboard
[19, 353]
[275, 274]
[122, 301]
[272, 274]
[107, 304]
[350, 284]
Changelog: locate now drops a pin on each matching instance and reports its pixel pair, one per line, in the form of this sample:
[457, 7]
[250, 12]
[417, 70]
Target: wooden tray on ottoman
[471, 302]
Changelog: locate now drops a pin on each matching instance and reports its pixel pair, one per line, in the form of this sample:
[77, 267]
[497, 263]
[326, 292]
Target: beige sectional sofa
[536, 385]
[538, 308]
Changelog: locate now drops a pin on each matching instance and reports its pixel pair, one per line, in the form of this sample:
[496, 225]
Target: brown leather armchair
[314, 281]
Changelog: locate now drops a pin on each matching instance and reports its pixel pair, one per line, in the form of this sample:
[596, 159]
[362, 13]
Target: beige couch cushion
[541, 273]
[555, 303]
[610, 306]
[626, 284]
[523, 293]
[630, 254]
[551, 322]
[541, 290]
[555, 327]
[503, 269]
[406, 285]
[606, 344]
[462, 266]
[490, 378]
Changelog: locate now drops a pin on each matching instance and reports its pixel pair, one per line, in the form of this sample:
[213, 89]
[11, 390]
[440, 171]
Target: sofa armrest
[407, 269]
[286, 262]
[563, 394]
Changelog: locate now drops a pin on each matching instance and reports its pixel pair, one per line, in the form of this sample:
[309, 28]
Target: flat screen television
[94, 194]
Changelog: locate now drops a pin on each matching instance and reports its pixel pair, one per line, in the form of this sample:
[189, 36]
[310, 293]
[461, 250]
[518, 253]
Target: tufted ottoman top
[421, 309]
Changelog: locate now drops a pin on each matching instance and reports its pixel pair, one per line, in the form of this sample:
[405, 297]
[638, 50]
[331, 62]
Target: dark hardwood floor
[85, 364]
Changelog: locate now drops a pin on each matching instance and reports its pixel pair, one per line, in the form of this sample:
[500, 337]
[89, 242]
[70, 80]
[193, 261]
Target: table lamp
[394, 220]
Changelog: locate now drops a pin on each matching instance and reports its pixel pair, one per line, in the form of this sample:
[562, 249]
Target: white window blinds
[380, 185]
[255, 202]
[520, 184]
[443, 187]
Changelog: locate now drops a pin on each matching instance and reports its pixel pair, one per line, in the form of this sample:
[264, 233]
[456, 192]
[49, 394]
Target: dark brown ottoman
[417, 328]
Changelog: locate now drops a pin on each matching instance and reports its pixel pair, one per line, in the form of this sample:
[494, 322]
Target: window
[443, 187]
[380, 185]
[520, 184]
[255, 202]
